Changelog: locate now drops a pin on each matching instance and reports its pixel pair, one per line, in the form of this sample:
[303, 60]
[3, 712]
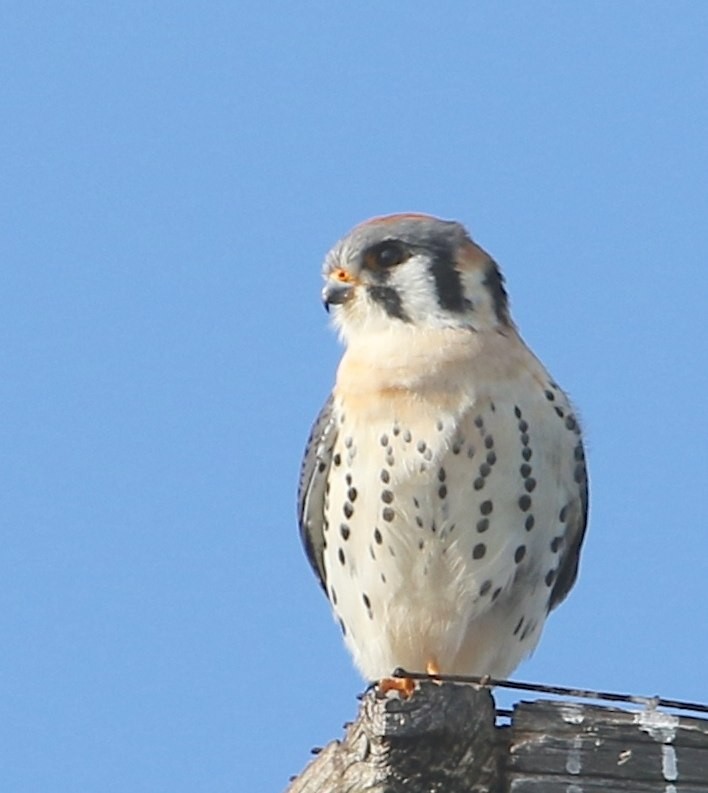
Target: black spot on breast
[579, 473]
[378, 537]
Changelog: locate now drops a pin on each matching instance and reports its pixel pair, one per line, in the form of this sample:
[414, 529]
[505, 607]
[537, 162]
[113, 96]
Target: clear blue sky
[172, 176]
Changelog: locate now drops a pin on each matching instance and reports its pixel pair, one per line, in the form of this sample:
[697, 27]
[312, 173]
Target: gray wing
[311, 491]
[575, 533]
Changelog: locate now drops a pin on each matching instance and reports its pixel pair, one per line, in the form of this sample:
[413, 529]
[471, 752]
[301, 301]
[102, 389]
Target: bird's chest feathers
[396, 426]
[409, 380]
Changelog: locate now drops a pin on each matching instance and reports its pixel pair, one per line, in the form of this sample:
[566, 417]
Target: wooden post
[441, 739]
[444, 739]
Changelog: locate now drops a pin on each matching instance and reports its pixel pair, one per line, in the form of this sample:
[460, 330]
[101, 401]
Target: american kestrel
[443, 495]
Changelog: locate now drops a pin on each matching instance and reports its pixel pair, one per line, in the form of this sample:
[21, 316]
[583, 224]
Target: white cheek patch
[477, 293]
[416, 286]
[361, 317]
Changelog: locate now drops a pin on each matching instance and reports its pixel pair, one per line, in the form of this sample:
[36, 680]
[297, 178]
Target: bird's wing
[575, 533]
[311, 491]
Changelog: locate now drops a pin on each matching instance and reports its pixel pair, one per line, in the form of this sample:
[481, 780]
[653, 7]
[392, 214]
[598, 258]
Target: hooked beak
[338, 289]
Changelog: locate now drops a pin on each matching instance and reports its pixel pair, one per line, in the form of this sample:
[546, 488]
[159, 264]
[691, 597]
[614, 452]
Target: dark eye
[385, 254]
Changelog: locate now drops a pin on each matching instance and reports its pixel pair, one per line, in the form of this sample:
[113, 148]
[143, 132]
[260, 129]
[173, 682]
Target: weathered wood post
[445, 739]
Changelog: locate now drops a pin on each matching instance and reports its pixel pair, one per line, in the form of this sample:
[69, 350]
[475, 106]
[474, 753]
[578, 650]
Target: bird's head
[412, 272]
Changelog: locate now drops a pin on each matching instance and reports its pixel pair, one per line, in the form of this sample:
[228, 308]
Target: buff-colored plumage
[443, 494]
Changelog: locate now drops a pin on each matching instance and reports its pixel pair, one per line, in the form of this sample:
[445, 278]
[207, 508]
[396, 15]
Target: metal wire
[561, 691]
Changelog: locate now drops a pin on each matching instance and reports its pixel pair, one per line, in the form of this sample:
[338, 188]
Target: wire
[561, 691]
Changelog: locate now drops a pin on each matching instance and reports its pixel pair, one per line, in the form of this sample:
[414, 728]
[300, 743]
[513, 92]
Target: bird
[443, 493]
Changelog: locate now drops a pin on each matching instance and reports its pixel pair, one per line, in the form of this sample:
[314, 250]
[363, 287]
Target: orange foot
[404, 685]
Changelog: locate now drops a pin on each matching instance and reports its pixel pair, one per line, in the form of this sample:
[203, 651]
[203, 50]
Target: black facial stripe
[390, 300]
[494, 282]
[448, 283]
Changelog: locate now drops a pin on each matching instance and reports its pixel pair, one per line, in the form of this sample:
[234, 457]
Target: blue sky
[173, 175]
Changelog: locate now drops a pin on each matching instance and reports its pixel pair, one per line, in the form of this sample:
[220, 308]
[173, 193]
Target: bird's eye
[385, 255]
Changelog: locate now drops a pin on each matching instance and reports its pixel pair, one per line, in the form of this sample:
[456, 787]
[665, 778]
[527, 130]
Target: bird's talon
[404, 685]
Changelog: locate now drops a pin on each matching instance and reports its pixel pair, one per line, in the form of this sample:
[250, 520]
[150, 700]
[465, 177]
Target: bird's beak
[338, 289]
